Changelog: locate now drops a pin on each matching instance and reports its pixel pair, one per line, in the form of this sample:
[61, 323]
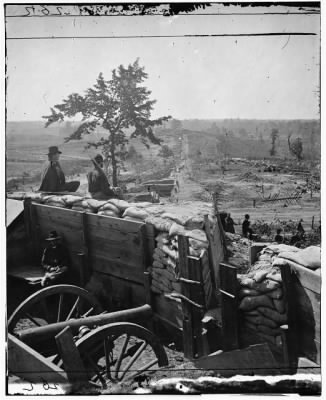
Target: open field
[205, 158]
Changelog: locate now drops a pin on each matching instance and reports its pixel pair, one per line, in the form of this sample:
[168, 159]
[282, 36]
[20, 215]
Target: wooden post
[229, 310]
[84, 254]
[188, 345]
[70, 356]
[212, 256]
[291, 335]
[198, 296]
[312, 222]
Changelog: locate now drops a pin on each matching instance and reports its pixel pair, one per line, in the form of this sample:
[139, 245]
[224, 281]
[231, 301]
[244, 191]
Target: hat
[98, 158]
[53, 150]
[53, 236]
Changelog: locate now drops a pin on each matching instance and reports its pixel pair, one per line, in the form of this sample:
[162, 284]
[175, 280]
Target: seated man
[98, 184]
[55, 261]
[53, 178]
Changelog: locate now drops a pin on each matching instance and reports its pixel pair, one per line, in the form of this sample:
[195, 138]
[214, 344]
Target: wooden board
[257, 359]
[26, 363]
[118, 270]
[28, 273]
[169, 310]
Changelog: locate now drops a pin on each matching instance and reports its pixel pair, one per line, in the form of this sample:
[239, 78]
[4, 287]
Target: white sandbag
[196, 222]
[56, 204]
[176, 229]
[108, 206]
[179, 219]
[198, 244]
[197, 234]
[108, 213]
[161, 224]
[278, 248]
[70, 199]
[171, 253]
[122, 205]
[95, 204]
[135, 213]
[309, 257]
[140, 221]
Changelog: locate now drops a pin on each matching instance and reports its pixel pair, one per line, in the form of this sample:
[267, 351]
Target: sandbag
[172, 263]
[260, 276]
[179, 219]
[122, 205]
[279, 305]
[278, 248]
[261, 320]
[176, 229]
[264, 257]
[275, 294]
[195, 253]
[274, 276]
[55, 199]
[156, 290]
[157, 264]
[108, 206]
[135, 213]
[250, 303]
[166, 274]
[196, 222]
[161, 224]
[243, 292]
[269, 331]
[265, 286]
[162, 280]
[70, 199]
[156, 257]
[159, 253]
[198, 244]
[309, 257]
[162, 238]
[171, 253]
[95, 204]
[140, 221]
[198, 235]
[56, 204]
[108, 213]
[273, 314]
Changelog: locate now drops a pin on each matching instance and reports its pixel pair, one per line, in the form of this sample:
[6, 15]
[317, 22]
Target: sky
[261, 77]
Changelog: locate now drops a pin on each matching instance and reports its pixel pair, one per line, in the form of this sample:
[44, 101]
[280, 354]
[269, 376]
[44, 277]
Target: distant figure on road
[53, 179]
[223, 216]
[229, 224]
[55, 261]
[246, 227]
[300, 227]
[98, 184]
[278, 237]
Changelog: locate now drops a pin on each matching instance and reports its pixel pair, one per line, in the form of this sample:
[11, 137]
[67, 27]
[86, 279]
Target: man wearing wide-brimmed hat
[53, 179]
[98, 184]
[55, 260]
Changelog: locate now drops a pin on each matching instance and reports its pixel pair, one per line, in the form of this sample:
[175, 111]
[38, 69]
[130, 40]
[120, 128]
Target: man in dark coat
[246, 230]
[98, 184]
[53, 178]
[229, 224]
[55, 261]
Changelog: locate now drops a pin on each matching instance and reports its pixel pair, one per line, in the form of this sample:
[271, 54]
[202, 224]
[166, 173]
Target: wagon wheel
[53, 304]
[119, 352]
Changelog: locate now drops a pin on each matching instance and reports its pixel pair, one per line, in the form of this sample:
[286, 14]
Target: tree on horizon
[116, 105]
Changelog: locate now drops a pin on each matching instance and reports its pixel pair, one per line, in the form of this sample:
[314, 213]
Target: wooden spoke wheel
[53, 304]
[120, 352]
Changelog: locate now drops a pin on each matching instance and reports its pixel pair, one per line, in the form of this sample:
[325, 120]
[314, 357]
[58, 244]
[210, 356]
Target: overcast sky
[263, 77]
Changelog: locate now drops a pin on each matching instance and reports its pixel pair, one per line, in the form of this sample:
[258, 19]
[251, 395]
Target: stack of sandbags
[110, 210]
[70, 199]
[262, 303]
[135, 214]
[165, 267]
[165, 270]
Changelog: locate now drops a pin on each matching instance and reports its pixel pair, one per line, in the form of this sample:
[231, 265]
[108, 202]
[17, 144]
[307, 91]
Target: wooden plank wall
[114, 247]
[306, 288]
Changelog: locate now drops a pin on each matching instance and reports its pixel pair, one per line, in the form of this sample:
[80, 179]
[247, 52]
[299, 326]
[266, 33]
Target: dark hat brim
[56, 152]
